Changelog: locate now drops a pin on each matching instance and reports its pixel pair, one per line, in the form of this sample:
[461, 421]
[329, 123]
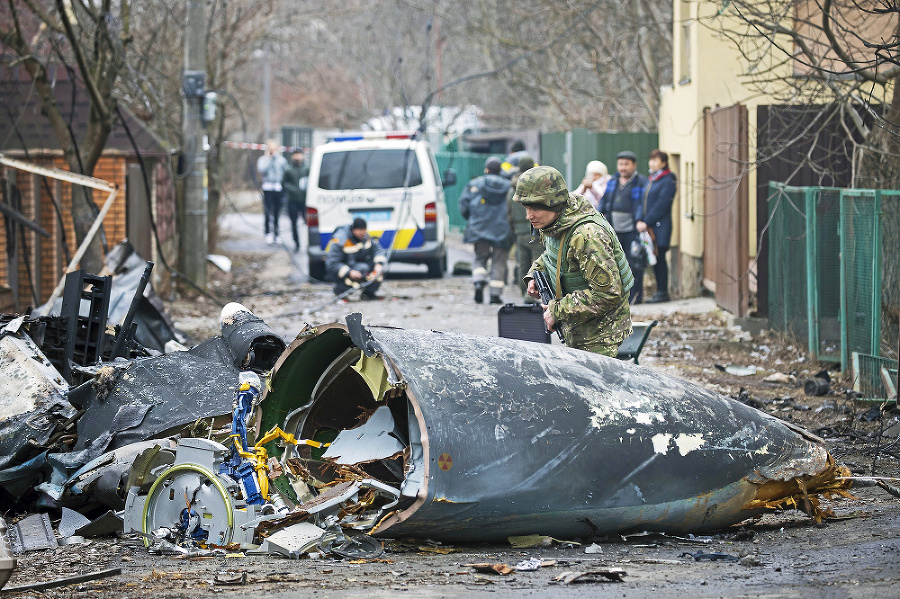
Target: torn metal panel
[510, 438]
[104, 480]
[374, 440]
[34, 415]
[32, 533]
[253, 344]
[153, 397]
[69, 522]
[293, 541]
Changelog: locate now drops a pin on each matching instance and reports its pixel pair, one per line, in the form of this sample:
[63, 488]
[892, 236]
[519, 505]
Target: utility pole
[267, 90]
[194, 234]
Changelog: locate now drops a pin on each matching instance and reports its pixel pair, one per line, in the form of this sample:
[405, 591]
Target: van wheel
[317, 271]
[437, 267]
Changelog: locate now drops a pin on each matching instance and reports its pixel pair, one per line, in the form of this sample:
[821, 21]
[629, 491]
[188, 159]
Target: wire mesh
[827, 256]
[862, 284]
[788, 307]
[867, 375]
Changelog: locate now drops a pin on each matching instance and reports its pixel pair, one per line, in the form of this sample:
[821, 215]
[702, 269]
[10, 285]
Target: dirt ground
[780, 555]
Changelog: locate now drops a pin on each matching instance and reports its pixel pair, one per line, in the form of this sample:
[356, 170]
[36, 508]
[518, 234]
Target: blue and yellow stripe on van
[403, 239]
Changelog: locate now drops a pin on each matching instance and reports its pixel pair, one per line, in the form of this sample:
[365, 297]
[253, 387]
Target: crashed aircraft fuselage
[489, 437]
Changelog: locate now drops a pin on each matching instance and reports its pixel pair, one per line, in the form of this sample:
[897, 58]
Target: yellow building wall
[715, 78]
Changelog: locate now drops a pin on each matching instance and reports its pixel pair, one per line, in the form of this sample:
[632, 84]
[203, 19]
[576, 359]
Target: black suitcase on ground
[524, 322]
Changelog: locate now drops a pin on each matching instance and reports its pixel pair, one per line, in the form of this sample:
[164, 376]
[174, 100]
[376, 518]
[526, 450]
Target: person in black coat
[657, 217]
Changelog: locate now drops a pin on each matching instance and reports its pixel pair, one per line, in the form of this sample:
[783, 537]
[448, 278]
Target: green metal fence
[869, 373]
[467, 165]
[569, 152]
[825, 248]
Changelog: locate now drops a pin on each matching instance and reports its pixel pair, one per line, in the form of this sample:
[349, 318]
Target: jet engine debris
[481, 429]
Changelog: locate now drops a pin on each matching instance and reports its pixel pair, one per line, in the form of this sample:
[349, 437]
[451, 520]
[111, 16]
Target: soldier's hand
[549, 319]
[355, 275]
[641, 226]
[531, 290]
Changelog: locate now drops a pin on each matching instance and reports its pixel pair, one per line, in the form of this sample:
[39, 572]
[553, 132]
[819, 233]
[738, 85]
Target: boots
[496, 299]
[479, 292]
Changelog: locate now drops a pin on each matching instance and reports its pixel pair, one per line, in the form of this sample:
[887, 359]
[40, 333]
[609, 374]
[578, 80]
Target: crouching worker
[583, 261]
[355, 260]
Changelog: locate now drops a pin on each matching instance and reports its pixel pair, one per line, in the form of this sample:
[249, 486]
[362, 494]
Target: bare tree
[92, 40]
[840, 58]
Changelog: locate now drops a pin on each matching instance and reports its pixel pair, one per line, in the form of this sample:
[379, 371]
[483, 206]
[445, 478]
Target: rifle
[543, 287]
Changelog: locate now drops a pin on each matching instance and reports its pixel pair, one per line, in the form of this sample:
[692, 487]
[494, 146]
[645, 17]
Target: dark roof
[24, 126]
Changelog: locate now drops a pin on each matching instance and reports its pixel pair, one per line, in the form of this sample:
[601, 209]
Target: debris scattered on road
[700, 556]
[609, 575]
[737, 370]
[62, 582]
[534, 564]
[487, 568]
[593, 548]
[526, 541]
[780, 378]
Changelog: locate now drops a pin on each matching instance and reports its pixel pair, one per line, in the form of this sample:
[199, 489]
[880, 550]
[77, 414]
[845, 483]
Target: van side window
[369, 169]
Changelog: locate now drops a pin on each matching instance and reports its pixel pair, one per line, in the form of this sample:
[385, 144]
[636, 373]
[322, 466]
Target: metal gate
[726, 212]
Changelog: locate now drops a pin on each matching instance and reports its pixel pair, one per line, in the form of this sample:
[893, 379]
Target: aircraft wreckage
[453, 437]
[464, 438]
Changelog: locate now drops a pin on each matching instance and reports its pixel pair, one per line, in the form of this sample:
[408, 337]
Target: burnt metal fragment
[504, 437]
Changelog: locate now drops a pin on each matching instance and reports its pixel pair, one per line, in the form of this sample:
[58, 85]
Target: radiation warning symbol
[445, 462]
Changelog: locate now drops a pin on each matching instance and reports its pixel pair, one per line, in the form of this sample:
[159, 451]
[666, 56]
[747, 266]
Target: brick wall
[43, 260]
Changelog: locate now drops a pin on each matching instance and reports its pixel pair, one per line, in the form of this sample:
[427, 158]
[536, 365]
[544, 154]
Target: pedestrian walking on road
[483, 205]
[294, 182]
[270, 167]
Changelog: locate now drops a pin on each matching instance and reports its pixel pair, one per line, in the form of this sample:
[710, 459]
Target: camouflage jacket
[597, 318]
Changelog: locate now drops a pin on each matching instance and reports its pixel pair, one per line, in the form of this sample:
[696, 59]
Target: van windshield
[369, 169]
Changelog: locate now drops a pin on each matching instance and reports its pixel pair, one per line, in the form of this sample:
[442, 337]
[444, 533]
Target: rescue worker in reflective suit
[355, 260]
[583, 261]
[483, 205]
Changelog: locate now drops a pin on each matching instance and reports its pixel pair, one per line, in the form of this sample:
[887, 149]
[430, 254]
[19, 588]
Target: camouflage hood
[576, 207]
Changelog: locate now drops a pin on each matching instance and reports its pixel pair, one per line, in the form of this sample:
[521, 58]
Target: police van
[389, 179]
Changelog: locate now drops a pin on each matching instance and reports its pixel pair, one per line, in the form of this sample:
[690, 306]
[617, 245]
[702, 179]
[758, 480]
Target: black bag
[524, 322]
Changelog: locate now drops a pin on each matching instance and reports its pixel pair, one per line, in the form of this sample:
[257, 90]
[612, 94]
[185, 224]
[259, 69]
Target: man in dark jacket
[621, 204]
[354, 260]
[294, 184]
[483, 205]
[657, 217]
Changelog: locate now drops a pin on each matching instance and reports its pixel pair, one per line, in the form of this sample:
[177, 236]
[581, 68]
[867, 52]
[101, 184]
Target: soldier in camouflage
[583, 260]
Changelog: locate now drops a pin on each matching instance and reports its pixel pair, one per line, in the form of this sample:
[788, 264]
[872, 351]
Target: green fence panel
[861, 271]
[788, 294]
[561, 149]
[467, 165]
[824, 279]
[825, 267]
[553, 150]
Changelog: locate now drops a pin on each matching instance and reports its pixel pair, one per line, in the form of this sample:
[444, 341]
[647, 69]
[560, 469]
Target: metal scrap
[608, 575]
[700, 556]
[61, 582]
[32, 533]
